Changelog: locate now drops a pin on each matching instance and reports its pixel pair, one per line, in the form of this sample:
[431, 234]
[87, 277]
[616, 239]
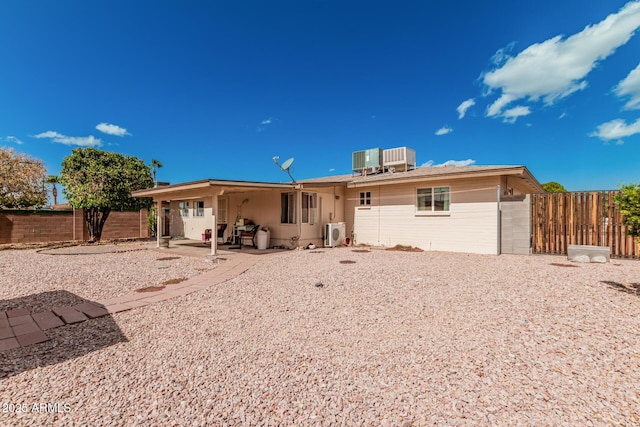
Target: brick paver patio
[20, 328]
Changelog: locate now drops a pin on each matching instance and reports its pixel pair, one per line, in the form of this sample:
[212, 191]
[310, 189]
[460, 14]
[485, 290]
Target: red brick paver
[91, 310]
[47, 320]
[17, 312]
[32, 338]
[8, 344]
[69, 314]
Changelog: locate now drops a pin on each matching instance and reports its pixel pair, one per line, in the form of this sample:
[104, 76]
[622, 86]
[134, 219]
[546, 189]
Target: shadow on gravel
[66, 342]
[631, 288]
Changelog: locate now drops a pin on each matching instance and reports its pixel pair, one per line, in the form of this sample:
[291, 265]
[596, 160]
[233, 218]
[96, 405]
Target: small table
[237, 229]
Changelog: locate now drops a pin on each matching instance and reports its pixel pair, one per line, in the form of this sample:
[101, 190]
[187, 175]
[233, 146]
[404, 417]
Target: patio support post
[159, 224]
[214, 227]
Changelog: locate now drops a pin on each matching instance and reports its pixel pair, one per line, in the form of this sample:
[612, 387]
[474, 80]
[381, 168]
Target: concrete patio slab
[6, 333]
[17, 312]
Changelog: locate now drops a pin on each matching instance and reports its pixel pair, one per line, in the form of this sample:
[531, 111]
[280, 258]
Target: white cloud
[444, 130]
[630, 86]
[464, 106]
[110, 129]
[512, 114]
[266, 122]
[562, 116]
[80, 141]
[616, 130]
[13, 140]
[555, 68]
[467, 162]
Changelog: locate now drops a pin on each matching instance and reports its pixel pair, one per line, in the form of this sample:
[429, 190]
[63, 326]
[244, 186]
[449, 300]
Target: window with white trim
[309, 206]
[184, 208]
[365, 198]
[222, 210]
[198, 208]
[434, 199]
[288, 208]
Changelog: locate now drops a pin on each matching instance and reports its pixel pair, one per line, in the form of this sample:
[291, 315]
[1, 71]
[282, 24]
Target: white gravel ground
[393, 339]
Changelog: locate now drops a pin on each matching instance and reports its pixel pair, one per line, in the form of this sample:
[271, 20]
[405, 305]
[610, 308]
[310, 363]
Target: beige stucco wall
[471, 225]
[263, 207]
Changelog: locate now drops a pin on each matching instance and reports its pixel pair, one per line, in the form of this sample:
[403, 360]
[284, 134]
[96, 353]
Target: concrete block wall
[27, 226]
[515, 232]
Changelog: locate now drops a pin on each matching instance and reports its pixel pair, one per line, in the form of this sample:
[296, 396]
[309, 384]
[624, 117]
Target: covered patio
[292, 212]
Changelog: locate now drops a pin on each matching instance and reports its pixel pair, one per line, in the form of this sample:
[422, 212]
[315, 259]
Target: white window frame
[309, 207]
[198, 208]
[184, 209]
[431, 205]
[288, 217]
[221, 216]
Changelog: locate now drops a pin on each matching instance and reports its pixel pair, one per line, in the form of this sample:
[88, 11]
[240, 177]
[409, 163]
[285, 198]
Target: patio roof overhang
[197, 189]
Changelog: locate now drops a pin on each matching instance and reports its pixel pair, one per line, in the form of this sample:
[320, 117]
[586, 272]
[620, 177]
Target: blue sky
[216, 89]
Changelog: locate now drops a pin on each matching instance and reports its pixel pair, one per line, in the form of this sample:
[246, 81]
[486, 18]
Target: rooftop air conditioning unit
[334, 234]
[401, 158]
[367, 160]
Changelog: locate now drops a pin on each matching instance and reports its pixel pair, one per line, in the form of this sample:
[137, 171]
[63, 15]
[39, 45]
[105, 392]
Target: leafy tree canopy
[628, 201]
[21, 180]
[554, 187]
[100, 181]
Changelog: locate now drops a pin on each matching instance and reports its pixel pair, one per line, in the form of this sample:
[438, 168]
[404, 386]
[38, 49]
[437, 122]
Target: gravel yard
[40, 279]
[394, 338]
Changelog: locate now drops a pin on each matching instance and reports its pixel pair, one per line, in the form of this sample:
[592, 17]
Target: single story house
[477, 209]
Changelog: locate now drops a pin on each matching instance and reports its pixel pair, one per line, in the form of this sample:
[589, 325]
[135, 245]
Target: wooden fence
[579, 218]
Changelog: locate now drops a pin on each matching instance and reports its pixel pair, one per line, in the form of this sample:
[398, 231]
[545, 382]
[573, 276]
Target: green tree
[554, 187]
[628, 201]
[100, 181]
[155, 164]
[53, 180]
[21, 180]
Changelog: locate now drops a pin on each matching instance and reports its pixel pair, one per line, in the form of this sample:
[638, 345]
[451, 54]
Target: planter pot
[164, 241]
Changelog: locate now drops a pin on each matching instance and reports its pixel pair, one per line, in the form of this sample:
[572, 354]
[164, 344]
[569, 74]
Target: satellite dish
[285, 166]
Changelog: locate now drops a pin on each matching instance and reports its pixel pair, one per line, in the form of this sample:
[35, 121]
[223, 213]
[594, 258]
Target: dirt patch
[316, 252]
[167, 258]
[150, 289]
[557, 264]
[405, 248]
[174, 281]
[347, 261]
[361, 251]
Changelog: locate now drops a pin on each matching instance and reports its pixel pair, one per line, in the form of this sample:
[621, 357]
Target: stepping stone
[47, 320]
[32, 338]
[69, 315]
[18, 312]
[91, 310]
[13, 321]
[6, 333]
[25, 328]
[3, 315]
[4, 323]
[8, 344]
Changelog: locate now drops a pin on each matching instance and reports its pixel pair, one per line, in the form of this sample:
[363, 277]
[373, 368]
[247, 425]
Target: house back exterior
[476, 209]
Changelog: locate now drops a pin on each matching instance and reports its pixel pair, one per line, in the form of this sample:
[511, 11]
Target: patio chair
[249, 234]
[206, 236]
[221, 230]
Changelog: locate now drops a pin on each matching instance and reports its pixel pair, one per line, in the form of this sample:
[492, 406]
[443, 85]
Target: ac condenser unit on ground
[334, 234]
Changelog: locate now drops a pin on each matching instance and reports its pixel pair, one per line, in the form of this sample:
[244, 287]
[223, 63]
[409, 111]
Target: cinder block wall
[25, 226]
[515, 233]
